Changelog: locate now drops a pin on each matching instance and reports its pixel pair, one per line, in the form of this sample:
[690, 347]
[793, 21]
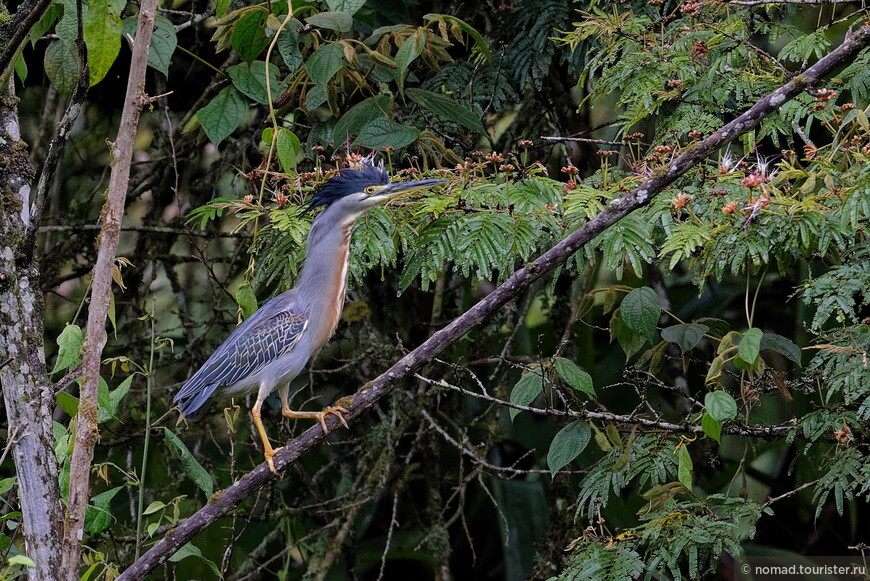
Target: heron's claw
[269, 454]
[336, 411]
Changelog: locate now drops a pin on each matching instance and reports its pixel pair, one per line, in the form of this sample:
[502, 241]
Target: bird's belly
[274, 373]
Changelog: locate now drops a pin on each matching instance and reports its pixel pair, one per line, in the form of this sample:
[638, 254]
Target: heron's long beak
[390, 191]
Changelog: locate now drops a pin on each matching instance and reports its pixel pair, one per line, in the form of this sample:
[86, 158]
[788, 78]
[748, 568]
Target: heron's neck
[323, 280]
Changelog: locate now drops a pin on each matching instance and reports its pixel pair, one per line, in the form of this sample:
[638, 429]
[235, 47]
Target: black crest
[349, 181]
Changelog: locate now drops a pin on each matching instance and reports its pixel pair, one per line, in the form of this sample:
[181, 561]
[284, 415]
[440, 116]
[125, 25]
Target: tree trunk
[27, 391]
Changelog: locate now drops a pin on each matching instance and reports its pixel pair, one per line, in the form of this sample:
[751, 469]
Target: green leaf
[62, 66]
[247, 300]
[686, 335]
[288, 148]
[223, 114]
[712, 427]
[67, 28]
[249, 35]
[525, 391]
[101, 27]
[447, 108]
[325, 63]
[750, 345]
[382, 133]
[684, 467]
[153, 507]
[568, 443]
[288, 45]
[104, 402]
[69, 348]
[781, 345]
[117, 394]
[191, 465]
[337, 21]
[97, 516]
[630, 341]
[720, 405]
[46, 21]
[68, 403]
[6, 484]
[250, 79]
[163, 42]
[22, 560]
[407, 53]
[189, 550]
[359, 116]
[641, 310]
[574, 376]
[349, 6]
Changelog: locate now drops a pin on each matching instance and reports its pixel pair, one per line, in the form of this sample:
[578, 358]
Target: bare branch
[86, 432]
[229, 499]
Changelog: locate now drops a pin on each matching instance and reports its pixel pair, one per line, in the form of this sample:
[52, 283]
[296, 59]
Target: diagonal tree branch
[520, 280]
[121, 154]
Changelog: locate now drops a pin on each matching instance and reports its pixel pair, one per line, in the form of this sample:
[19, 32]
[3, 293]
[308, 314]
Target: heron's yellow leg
[268, 451]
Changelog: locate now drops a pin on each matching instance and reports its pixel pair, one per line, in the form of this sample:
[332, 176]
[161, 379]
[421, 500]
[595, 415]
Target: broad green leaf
[249, 35]
[315, 97]
[407, 53]
[163, 42]
[349, 6]
[69, 348]
[46, 21]
[223, 114]
[574, 376]
[447, 108]
[686, 335]
[222, 7]
[337, 21]
[153, 507]
[117, 394]
[641, 310]
[781, 345]
[191, 465]
[630, 341]
[101, 27]
[382, 133]
[98, 517]
[720, 405]
[288, 148]
[359, 116]
[750, 345]
[712, 427]
[67, 28]
[104, 402]
[250, 79]
[62, 66]
[568, 443]
[20, 66]
[247, 300]
[325, 63]
[684, 467]
[525, 391]
[22, 560]
[190, 550]
[6, 484]
[288, 45]
[68, 403]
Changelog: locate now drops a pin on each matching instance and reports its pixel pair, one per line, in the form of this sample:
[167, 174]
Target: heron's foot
[269, 454]
[319, 416]
[336, 411]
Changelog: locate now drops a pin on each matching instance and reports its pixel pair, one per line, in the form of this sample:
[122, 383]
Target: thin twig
[790, 493]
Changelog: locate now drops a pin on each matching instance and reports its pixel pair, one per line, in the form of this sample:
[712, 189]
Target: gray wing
[254, 344]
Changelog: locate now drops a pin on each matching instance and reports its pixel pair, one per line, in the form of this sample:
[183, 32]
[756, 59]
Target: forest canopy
[627, 338]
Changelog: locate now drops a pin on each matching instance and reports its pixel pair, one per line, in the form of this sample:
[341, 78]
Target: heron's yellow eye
[370, 190]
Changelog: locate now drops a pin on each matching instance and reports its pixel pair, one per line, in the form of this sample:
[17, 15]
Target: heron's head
[354, 191]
